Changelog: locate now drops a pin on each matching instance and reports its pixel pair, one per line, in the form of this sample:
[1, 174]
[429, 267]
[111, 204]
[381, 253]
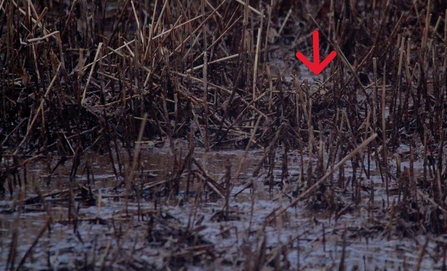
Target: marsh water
[81, 77]
[147, 231]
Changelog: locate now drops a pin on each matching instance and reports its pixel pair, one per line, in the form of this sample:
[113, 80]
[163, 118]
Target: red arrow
[317, 67]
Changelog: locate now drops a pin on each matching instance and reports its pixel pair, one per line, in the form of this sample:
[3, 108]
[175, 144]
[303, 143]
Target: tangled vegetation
[112, 76]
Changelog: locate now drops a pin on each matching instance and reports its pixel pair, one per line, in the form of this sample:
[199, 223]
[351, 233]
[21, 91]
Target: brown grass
[77, 77]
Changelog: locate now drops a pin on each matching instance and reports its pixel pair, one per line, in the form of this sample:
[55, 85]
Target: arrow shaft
[316, 46]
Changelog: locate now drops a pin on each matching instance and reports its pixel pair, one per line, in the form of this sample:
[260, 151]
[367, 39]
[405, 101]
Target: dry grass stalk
[208, 71]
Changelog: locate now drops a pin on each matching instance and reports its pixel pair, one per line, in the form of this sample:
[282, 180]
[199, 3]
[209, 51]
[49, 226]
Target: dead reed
[80, 77]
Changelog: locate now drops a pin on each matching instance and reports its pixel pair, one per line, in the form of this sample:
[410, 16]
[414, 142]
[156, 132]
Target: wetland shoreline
[175, 135]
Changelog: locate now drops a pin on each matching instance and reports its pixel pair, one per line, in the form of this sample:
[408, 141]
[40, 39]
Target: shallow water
[149, 231]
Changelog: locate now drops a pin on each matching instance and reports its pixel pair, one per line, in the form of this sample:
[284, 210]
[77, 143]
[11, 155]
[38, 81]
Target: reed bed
[113, 77]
